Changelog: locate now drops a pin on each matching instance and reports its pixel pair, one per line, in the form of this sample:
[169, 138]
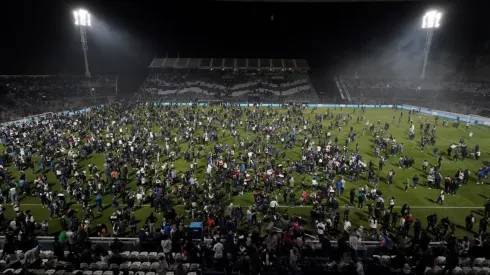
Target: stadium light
[82, 17]
[82, 20]
[430, 22]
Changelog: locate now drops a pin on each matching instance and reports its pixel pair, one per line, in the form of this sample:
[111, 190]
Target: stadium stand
[466, 95]
[26, 95]
[236, 80]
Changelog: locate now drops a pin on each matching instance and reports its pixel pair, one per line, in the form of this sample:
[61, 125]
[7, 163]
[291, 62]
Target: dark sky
[39, 37]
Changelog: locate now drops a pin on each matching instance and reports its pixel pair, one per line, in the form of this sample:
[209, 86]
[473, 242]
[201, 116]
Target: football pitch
[469, 198]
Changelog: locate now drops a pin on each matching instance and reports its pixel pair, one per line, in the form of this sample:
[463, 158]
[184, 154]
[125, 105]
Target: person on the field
[440, 199]
[483, 225]
[470, 220]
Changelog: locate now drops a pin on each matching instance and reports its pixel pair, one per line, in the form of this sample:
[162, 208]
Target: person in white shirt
[273, 206]
[33, 255]
[320, 227]
[373, 226]
[139, 198]
[14, 197]
[166, 244]
[354, 241]
[314, 184]
[392, 204]
[440, 199]
[347, 226]
[218, 251]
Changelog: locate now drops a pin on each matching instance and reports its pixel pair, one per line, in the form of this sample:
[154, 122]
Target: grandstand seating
[207, 85]
[25, 95]
[453, 94]
[147, 263]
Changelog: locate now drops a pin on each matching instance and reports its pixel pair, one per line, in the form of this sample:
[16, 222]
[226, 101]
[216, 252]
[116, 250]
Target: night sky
[39, 36]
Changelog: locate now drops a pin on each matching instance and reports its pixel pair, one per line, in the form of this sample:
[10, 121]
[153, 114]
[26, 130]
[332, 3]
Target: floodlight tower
[430, 22]
[82, 20]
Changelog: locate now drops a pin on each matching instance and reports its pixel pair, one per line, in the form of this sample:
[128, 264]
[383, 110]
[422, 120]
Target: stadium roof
[228, 63]
[318, 1]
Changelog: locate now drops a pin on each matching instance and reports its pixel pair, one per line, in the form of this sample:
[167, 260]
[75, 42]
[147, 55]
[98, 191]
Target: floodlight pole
[428, 43]
[83, 39]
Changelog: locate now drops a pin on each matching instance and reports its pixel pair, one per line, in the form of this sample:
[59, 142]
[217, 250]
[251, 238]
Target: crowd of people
[24, 96]
[232, 86]
[227, 151]
[452, 94]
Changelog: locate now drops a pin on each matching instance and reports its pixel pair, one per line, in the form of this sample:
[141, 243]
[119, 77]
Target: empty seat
[39, 271]
[143, 256]
[135, 265]
[125, 265]
[125, 254]
[152, 256]
[145, 266]
[140, 273]
[154, 266]
[50, 272]
[87, 272]
[114, 266]
[134, 255]
[98, 272]
[108, 272]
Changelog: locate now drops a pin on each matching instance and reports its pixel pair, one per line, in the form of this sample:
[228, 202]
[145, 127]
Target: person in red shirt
[304, 196]
[447, 184]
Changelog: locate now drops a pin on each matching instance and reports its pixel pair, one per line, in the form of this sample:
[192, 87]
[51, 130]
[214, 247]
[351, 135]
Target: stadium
[241, 165]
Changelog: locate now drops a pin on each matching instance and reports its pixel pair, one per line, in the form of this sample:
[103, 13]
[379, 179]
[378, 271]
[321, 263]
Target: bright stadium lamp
[83, 20]
[430, 22]
[82, 17]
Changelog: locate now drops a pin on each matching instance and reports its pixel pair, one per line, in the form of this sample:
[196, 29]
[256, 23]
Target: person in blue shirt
[98, 202]
[115, 202]
[64, 182]
[167, 229]
[339, 186]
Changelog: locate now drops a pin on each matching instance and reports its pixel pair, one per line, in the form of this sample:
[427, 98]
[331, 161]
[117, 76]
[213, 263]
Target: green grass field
[470, 197]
